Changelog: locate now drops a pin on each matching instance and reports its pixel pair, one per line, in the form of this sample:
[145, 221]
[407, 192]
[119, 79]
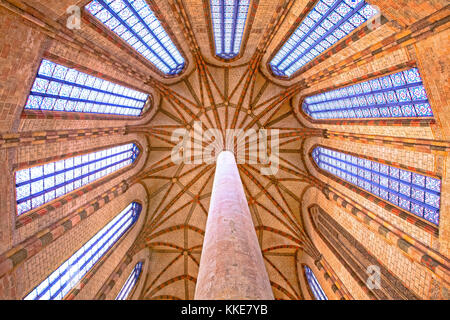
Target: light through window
[41, 184]
[67, 276]
[130, 283]
[228, 20]
[136, 24]
[314, 285]
[413, 192]
[399, 95]
[58, 88]
[327, 23]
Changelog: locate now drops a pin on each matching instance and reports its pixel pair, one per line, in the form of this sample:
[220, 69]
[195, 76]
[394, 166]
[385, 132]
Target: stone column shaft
[231, 265]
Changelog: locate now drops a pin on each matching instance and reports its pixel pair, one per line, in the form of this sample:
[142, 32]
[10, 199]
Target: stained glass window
[137, 25]
[314, 285]
[130, 283]
[413, 192]
[58, 88]
[228, 19]
[327, 23]
[399, 95]
[38, 185]
[68, 274]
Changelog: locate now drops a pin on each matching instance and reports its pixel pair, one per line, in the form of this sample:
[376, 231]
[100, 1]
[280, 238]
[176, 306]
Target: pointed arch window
[416, 193]
[228, 21]
[38, 185]
[327, 23]
[130, 283]
[314, 284]
[58, 88]
[68, 274]
[399, 95]
[137, 25]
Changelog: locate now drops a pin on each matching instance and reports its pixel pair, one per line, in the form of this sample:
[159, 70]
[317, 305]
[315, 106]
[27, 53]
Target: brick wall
[21, 48]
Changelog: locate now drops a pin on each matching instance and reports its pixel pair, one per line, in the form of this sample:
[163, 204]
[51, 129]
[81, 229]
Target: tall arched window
[314, 285]
[68, 274]
[399, 95]
[130, 283]
[38, 185]
[137, 25]
[58, 88]
[327, 23]
[416, 193]
[228, 21]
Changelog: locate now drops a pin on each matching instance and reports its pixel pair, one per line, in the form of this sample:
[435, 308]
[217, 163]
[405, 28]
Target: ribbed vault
[222, 98]
[243, 94]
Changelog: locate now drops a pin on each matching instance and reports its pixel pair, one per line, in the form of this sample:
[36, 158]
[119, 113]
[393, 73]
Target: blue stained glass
[393, 198]
[432, 199]
[385, 97]
[398, 79]
[412, 76]
[418, 93]
[423, 110]
[405, 189]
[411, 191]
[65, 278]
[405, 204]
[335, 19]
[314, 285]
[371, 99]
[387, 83]
[408, 111]
[390, 96]
[57, 88]
[433, 184]
[403, 95]
[417, 210]
[130, 283]
[395, 111]
[58, 178]
[418, 194]
[431, 215]
[405, 175]
[418, 180]
[135, 23]
[380, 98]
[228, 21]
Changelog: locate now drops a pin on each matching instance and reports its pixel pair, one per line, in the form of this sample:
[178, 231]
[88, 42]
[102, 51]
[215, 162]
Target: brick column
[231, 265]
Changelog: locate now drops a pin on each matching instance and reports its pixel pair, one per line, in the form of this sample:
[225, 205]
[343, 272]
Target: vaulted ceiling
[240, 94]
[222, 98]
[235, 95]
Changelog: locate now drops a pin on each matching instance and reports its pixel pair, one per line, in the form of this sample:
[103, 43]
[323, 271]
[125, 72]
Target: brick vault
[309, 220]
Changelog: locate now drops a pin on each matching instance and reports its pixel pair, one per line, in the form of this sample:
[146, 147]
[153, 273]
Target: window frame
[100, 28]
[355, 35]
[422, 223]
[105, 255]
[71, 115]
[408, 121]
[308, 285]
[245, 35]
[35, 213]
[133, 289]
